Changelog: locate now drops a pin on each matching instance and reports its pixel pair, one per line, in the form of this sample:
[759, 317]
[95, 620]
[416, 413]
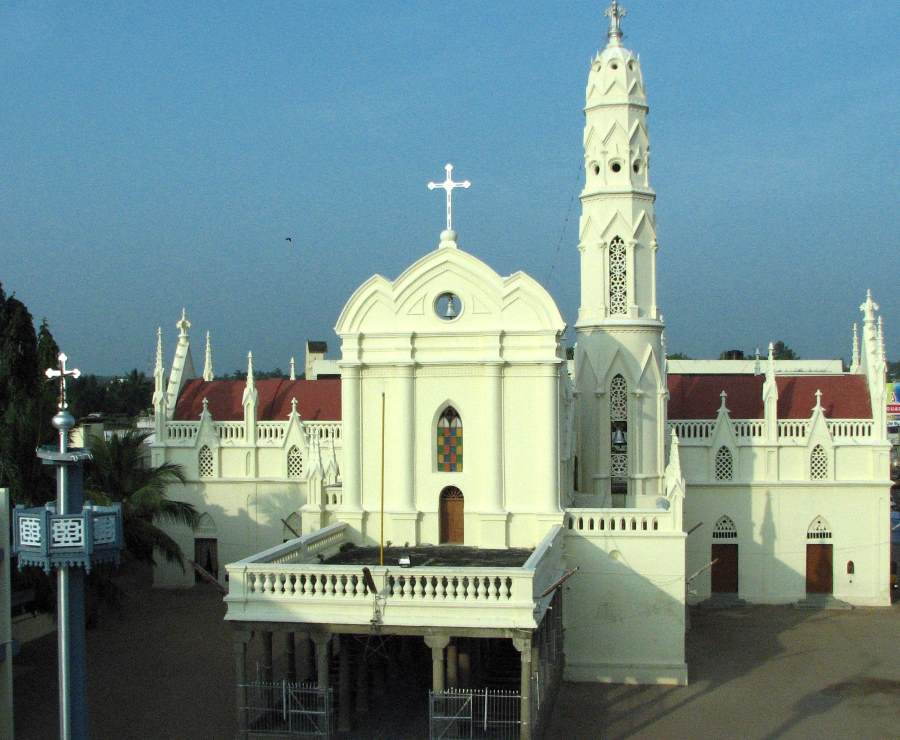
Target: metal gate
[483, 713]
[287, 709]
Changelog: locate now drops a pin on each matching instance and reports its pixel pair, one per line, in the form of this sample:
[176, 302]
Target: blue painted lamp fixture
[69, 537]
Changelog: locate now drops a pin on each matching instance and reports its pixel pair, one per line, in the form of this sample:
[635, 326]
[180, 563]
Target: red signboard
[893, 408]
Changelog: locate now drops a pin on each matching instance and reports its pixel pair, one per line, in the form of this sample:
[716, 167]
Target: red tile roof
[696, 396]
[317, 400]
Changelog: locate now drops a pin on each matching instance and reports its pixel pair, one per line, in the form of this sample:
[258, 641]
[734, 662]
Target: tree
[117, 474]
[783, 352]
[679, 356]
[20, 387]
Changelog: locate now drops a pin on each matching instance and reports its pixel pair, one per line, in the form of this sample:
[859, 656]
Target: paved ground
[164, 670]
[759, 672]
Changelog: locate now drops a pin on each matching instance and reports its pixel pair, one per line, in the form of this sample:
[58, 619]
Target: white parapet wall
[287, 583]
[625, 607]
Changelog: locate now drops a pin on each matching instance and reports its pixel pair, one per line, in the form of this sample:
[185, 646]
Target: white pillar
[492, 480]
[547, 482]
[404, 434]
[352, 435]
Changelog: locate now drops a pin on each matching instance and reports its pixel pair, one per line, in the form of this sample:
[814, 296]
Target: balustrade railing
[323, 430]
[271, 431]
[848, 428]
[793, 428]
[182, 431]
[289, 579]
[229, 431]
[749, 428]
[602, 522]
[693, 429]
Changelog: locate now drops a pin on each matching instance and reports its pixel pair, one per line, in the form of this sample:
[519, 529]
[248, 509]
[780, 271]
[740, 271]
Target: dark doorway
[725, 569]
[452, 520]
[819, 571]
[206, 555]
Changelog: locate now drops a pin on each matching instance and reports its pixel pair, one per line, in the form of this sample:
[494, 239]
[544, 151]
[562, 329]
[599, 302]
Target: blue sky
[157, 154]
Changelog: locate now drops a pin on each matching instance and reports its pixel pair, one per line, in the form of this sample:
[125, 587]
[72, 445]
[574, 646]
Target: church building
[464, 493]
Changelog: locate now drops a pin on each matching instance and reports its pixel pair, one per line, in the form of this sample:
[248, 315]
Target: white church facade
[529, 495]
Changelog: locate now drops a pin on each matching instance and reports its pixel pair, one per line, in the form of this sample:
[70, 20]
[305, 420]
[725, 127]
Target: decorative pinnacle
[183, 324]
[818, 400]
[208, 361]
[250, 383]
[293, 406]
[615, 13]
[62, 373]
[293, 369]
[159, 350]
[448, 186]
[724, 396]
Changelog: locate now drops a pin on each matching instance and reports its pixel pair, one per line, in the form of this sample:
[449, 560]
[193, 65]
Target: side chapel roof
[696, 396]
[317, 400]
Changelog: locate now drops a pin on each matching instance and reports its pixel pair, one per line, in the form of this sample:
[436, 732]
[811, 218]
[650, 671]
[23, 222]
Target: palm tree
[118, 474]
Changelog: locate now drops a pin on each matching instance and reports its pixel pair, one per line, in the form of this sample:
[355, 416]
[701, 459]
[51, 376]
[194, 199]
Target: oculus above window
[449, 442]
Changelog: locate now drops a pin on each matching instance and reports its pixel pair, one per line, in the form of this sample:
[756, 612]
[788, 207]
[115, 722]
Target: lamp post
[68, 536]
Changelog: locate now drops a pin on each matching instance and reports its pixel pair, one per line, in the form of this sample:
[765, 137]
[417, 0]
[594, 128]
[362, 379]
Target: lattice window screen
[618, 278]
[294, 462]
[619, 467]
[205, 462]
[818, 463]
[618, 399]
[818, 530]
[725, 529]
[724, 464]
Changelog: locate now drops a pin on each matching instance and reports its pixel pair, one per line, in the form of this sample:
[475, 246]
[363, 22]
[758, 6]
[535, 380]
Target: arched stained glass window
[294, 462]
[205, 462]
[818, 463]
[618, 278]
[724, 464]
[449, 441]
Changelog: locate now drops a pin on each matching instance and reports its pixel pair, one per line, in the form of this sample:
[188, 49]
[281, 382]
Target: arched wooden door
[452, 520]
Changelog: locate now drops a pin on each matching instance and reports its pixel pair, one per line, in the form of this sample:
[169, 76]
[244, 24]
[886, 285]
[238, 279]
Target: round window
[448, 306]
[616, 167]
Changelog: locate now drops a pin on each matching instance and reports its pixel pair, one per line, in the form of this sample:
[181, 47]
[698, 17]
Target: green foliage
[679, 356]
[22, 402]
[129, 396]
[117, 473]
[783, 352]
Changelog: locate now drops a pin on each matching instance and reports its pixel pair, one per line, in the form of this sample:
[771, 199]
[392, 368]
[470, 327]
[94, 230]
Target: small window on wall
[449, 442]
[724, 464]
[205, 462]
[295, 462]
[818, 463]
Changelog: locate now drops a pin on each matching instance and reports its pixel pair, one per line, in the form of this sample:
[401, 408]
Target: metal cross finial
[62, 373]
[448, 186]
[615, 13]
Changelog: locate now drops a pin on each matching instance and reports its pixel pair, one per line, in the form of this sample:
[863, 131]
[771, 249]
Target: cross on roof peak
[448, 186]
[615, 13]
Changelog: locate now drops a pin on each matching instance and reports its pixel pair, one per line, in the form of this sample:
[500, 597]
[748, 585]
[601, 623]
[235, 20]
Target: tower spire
[159, 374]
[208, 361]
[615, 13]
[854, 353]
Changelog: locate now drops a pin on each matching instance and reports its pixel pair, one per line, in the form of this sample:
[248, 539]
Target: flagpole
[381, 538]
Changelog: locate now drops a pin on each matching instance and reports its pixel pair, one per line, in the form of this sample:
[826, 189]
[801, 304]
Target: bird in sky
[289, 239]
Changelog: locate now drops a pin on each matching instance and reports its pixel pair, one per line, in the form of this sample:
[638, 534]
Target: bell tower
[620, 370]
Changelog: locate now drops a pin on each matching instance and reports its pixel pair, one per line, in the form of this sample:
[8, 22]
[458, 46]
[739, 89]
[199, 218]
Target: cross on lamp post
[449, 186]
[62, 373]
